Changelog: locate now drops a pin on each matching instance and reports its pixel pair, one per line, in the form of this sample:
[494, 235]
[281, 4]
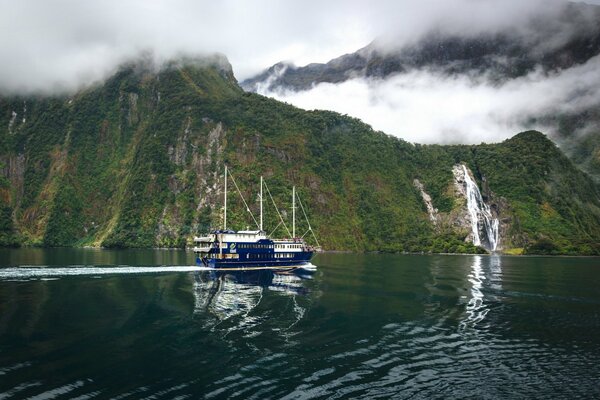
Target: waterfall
[481, 215]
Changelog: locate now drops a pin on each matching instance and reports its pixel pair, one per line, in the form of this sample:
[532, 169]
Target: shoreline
[187, 249]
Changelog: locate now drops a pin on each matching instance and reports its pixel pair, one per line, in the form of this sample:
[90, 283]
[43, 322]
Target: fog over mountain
[61, 45]
[453, 86]
[458, 71]
[428, 107]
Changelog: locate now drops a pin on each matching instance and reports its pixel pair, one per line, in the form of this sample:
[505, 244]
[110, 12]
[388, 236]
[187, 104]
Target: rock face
[433, 212]
[478, 215]
[472, 217]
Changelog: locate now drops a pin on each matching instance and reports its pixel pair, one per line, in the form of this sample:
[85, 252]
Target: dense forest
[138, 160]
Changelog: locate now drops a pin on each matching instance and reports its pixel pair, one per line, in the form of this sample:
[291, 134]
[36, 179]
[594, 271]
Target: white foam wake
[25, 272]
[309, 267]
[37, 272]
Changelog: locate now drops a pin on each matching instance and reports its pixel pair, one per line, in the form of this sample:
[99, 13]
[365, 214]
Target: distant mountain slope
[546, 46]
[572, 39]
[138, 162]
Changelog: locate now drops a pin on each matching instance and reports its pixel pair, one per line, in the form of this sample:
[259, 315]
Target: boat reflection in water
[242, 300]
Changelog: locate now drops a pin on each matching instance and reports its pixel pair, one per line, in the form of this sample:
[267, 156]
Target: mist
[62, 46]
[65, 44]
[427, 106]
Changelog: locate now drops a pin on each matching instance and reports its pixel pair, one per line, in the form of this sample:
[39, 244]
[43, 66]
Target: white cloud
[45, 44]
[429, 107]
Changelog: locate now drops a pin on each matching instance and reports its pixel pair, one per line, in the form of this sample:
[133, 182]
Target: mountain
[550, 44]
[137, 161]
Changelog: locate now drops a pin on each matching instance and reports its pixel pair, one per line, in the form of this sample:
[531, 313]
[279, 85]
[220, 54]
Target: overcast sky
[57, 45]
[46, 44]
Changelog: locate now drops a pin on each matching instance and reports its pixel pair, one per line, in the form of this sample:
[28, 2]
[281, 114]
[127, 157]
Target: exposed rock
[280, 154]
[169, 224]
[478, 214]
[208, 185]
[133, 116]
[14, 171]
[432, 211]
[178, 153]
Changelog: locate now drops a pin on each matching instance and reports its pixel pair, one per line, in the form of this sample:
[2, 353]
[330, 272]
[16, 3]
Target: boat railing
[203, 239]
[201, 249]
[292, 240]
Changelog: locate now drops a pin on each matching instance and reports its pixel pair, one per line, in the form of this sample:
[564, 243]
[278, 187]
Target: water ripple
[450, 327]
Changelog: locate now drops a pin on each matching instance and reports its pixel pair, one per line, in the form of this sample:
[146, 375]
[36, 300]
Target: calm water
[143, 324]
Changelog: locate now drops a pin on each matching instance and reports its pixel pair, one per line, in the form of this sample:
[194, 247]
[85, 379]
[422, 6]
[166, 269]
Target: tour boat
[254, 249]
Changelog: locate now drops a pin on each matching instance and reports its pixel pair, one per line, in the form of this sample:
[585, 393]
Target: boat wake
[27, 272]
[43, 272]
[309, 267]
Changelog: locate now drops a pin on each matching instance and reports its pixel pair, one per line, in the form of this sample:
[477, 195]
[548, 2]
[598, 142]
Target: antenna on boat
[225, 210]
[261, 203]
[293, 212]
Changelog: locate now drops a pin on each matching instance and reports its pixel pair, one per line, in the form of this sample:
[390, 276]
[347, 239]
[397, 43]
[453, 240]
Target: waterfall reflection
[477, 307]
[236, 297]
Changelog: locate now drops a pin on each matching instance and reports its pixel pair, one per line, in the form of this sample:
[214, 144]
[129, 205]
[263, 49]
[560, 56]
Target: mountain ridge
[507, 54]
[137, 162]
[545, 47]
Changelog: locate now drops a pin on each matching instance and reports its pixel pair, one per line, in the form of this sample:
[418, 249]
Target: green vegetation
[138, 162]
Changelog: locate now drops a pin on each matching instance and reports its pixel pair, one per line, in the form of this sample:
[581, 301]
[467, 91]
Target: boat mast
[225, 210]
[293, 212]
[261, 204]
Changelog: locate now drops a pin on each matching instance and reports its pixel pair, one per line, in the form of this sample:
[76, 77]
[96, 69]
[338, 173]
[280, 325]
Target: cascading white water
[481, 214]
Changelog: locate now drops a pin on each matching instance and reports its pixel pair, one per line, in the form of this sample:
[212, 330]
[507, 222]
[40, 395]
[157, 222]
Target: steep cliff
[137, 161]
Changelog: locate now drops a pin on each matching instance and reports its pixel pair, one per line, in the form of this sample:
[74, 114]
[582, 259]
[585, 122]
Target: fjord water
[78, 323]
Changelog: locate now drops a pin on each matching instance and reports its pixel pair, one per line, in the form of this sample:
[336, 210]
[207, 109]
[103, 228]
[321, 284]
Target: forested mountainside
[547, 45]
[138, 160]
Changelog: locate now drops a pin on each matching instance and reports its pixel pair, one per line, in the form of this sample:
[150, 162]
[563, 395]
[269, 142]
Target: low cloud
[60, 45]
[426, 106]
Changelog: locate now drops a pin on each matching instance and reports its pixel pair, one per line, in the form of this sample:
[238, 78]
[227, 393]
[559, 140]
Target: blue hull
[254, 264]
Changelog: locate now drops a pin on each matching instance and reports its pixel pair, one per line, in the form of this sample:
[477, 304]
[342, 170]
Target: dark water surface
[143, 324]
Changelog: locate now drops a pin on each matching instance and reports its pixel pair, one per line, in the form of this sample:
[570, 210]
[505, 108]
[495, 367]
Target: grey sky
[45, 45]
[60, 45]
